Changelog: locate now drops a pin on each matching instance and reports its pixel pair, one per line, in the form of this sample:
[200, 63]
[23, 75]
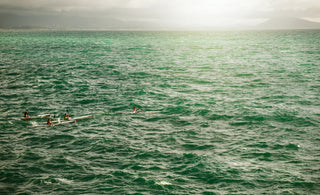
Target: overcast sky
[124, 14]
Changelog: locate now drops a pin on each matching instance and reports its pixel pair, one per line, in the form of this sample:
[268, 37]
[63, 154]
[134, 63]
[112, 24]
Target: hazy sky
[154, 13]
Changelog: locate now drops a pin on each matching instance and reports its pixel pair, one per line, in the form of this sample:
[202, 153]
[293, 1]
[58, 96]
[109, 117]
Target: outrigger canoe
[71, 119]
[57, 123]
[34, 117]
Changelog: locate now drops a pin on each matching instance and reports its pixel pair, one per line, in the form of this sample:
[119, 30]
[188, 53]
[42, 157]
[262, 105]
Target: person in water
[135, 110]
[49, 122]
[66, 116]
[26, 115]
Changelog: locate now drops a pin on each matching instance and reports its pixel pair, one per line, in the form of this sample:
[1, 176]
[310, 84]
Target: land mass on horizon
[287, 23]
[86, 23]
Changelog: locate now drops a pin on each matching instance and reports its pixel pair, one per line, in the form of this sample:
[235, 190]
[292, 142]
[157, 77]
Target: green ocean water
[223, 112]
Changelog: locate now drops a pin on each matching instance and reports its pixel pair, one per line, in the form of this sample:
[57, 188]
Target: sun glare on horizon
[214, 13]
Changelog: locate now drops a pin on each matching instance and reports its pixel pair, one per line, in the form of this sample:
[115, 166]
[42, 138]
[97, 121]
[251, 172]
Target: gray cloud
[150, 13]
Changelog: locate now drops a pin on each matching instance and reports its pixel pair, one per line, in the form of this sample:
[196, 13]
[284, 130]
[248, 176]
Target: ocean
[226, 112]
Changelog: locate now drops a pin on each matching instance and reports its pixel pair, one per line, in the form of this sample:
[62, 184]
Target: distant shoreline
[148, 30]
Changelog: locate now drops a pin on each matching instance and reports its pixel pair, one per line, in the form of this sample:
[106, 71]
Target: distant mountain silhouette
[288, 23]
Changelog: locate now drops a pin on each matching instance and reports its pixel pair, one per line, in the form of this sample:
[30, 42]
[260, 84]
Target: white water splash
[33, 123]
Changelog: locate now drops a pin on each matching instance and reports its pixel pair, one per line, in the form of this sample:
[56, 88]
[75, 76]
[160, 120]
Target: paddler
[49, 122]
[66, 116]
[26, 115]
[135, 110]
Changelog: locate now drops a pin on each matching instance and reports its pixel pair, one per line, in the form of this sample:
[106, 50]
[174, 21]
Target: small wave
[65, 181]
[293, 118]
[293, 146]
[197, 147]
[244, 75]
[219, 117]
[289, 146]
[203, 112]
[163, 183]
[240, 123]
[179, 122]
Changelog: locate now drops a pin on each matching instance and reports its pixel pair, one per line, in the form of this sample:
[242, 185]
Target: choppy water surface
[237, 112]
